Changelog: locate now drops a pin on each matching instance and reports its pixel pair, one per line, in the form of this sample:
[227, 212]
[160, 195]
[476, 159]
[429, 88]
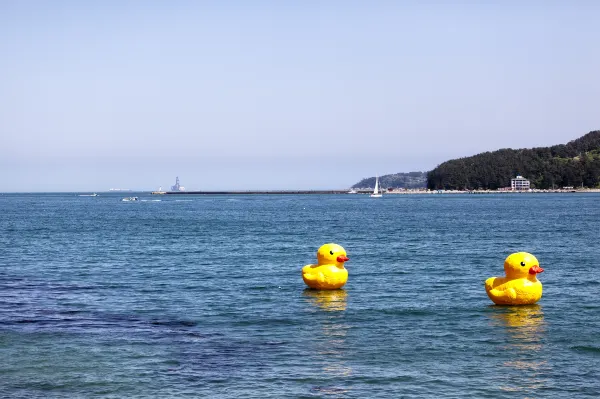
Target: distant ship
[177, 186]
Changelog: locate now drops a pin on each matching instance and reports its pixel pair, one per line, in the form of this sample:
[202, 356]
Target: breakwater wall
[256, 192]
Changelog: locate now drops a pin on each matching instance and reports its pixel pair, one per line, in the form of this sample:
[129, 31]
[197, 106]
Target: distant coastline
[574, 164]
[358, 192]
[251, 192]
[303, 192]
[532, 191]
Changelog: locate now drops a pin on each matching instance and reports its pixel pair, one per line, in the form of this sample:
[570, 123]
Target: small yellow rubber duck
[329, 272]
[520, 286]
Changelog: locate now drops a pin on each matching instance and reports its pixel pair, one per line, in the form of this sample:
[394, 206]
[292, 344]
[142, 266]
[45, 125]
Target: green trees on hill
[396, 180]
[573, 164]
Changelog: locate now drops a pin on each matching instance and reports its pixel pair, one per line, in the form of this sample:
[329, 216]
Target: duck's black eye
[522, 263]
[331, 252]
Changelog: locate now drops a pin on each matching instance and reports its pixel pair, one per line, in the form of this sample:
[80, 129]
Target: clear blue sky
[282, 94]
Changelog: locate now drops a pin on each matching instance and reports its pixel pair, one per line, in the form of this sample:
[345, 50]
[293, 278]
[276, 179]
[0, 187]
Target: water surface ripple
[204, 298]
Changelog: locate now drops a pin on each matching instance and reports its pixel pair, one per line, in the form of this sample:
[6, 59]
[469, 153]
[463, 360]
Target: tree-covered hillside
[396, 180]
[571, 164]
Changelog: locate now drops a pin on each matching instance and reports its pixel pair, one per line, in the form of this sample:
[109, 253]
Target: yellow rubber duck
[329, 272]
[520, 286]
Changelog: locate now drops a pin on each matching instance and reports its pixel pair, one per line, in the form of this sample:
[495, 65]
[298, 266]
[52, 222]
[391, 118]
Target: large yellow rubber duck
[329, 272]
[520, 286]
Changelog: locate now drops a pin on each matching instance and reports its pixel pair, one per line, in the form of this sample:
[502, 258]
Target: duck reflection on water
[525, 330]
[329, 344]
[524, 324]
[328, 300]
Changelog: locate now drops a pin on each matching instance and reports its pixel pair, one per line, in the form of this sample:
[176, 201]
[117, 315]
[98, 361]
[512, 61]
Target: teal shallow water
[200, 296]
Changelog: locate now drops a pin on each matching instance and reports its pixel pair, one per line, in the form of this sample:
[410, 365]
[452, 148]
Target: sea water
[202, 296]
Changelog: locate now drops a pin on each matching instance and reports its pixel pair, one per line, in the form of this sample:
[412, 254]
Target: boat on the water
[128, 199]
[376, 193]
[89, 195]
[177, 186]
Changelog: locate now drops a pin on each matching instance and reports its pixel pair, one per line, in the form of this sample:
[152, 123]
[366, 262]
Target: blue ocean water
[202, 296]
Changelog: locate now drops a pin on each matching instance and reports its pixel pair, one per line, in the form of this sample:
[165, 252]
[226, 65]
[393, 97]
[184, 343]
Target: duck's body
[329, 272]
[520, 286]
[324, 277]
[520, 291]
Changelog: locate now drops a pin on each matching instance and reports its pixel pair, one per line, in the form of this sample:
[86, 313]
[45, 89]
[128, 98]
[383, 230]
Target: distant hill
[573, 164]
[396, 180]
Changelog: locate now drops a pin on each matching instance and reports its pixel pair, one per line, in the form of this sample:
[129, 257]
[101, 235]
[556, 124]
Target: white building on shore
[519, 183]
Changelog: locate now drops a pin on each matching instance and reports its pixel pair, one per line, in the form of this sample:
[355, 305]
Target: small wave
[27, 321]
[586, 348]
[150, 200]
[183, 200]
[269, 322]
[407, 312]
[275, 343]
[198, 335]
[174, 323]
[259, 288]
[330, 390]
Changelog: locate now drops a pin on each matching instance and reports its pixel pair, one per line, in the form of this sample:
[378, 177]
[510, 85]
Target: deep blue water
[202, 296]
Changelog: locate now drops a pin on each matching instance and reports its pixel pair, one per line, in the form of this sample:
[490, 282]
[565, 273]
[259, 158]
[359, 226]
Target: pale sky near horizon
[283, 95]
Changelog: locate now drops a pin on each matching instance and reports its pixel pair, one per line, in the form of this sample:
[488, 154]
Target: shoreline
[533, 191]
[252, 192]
[363, 192]
[308, 192]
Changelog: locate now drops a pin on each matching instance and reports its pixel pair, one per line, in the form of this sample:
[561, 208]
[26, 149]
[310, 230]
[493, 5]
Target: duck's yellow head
[332, 254]
[521, 265]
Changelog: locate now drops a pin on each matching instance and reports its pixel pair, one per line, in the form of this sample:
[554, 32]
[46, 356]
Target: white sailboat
[376, 193]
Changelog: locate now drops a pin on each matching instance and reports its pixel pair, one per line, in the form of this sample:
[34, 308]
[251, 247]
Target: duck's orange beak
[535, 270]
[342, 258]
